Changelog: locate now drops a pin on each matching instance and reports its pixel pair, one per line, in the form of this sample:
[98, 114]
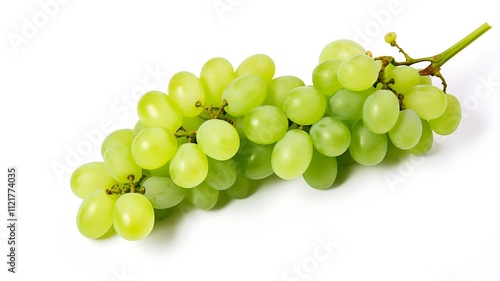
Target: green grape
[120, 164]
[189, 166]
[191, 124]
[324, 77]
[133, 217]
[265, 124]
[260, 65]
[90, 177]
[244, 93]
[240, 189]
[381, 111]
[156, 109]
[138, 127]
[123, 136]
[162, 192]
[215, 75]
[330, 136]
[404, 77]
[238, 125]
[367, 148]
[447, 123]
[322, 171]
[390, 37]
[426, 140]
[221, 174]
[203, 196]
[388, 70]
[95, 215]
[162, 171]
[304, 105]
[407, 131]
[347, 105]
[425, 80]
[428, 101]
[279, 87]
[358, 73]
[218, 139]
[187, 90]
[292, 154]
[254, 159]
[161, 214]
[153, 147]
[341, 50]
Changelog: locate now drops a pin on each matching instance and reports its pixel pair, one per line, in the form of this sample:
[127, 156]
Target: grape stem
[129, 187]
[437, 61]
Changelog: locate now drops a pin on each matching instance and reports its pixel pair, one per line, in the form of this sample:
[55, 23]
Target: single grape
[95, 215]
[221, 174]
[215, 75]
[259, 64]
[218, 139]
[325, 79]
[425, 80]
[405, 77]
[187, 90]
[265, 124]
[341, 50]
[407, 131]
[304, 105]
[358, 73]
[381, 111]
[426, 140]
[428, 101]
[203, 196]
[123, 136]
[162, 192]
[244, 93]
[254, 159]
[133, 216]
[90, 177]
[153, 147]
[367, 148]
[322, 171]
[292, 154]
[390, 37]
[120, 164]
[156, 109]
[189, 166]
[447, 123]
[347, 105]
[330, 136]
[279, 87]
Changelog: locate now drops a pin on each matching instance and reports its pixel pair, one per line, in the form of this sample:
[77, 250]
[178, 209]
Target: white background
[78, 71]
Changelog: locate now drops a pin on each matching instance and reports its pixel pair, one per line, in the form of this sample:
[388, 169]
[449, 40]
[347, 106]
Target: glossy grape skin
[95, 215]
[133, 216]
[157, 109]
[89, 177]
[189, 166]
[218, 139]
[292, 154]
[367, 148]
[304, 105]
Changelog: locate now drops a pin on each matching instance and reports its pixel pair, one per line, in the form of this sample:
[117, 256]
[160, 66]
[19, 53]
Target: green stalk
[438, 60]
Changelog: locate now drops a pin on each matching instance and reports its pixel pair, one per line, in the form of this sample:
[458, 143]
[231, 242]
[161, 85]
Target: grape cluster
[217, 132]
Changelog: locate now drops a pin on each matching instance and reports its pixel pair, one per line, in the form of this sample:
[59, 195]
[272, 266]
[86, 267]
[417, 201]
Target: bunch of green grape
[218, 131]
